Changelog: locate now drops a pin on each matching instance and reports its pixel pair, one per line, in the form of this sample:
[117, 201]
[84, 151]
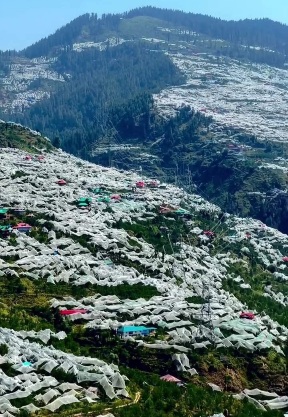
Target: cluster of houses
[84, 202]
[122, 331]
[167, 209]
[104, 196]
[39, 158]
[197, 271]
[6, 225]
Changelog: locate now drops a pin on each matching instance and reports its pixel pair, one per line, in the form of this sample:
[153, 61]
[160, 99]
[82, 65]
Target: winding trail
[91, 413]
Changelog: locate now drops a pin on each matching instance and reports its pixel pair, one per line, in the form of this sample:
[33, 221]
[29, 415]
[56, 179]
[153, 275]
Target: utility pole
[176, 174]
[206, 311]
[109, 152]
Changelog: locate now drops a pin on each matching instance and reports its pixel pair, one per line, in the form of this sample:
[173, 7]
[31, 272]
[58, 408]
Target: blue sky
[24, 22]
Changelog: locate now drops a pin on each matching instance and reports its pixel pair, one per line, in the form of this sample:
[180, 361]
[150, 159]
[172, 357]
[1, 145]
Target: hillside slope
[29, 76]
[240, 173]
[113, 256]
[19, 137]
[114, 90]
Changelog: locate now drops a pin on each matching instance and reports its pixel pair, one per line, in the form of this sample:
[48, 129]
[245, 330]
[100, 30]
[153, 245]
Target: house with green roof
[5, 230]
[3, 212]
[126, 331]
[84, 201]
[103, 200]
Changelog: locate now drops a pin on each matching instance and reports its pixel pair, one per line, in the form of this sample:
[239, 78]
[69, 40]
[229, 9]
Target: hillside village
[123, 293]
[69, 223]
[239, 95]
[19, 86]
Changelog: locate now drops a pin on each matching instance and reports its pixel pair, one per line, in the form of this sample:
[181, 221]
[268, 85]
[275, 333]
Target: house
[98, 190]
[82, 205]
[5, 231]
[140, 184]
[129, 196]
[153, 184]
[19, 211]
[181, 212]
[166, 208]
[71, 312]
[170, 378]
[26, 364]
[23, 227]
[103, 200]
[126, 331]
[209, 234]
[3, 213]
[247, 315]
[109, 263]
[115, 197]
[84, 201]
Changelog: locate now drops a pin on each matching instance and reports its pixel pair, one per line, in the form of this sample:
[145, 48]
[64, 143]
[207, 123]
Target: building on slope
[126, 331]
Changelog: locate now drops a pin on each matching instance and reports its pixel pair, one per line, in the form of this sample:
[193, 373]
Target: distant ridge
[258, 32]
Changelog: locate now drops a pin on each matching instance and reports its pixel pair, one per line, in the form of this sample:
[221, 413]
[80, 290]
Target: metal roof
[128, 329]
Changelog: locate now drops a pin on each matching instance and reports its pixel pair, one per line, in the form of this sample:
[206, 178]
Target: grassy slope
[12, 136]
[142, 26]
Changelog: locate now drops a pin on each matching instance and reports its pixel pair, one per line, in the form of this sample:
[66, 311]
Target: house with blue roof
[126, 331]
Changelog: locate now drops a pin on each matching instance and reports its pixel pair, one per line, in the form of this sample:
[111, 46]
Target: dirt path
[135, 401]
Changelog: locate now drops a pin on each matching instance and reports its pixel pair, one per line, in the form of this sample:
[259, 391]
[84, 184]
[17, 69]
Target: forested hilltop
[241, 35]
[79, 112]
[264, 33]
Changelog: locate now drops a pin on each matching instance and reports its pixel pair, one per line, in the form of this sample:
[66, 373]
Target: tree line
[78, 112]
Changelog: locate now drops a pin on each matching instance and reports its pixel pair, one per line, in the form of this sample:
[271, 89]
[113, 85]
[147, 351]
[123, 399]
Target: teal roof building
[126, 331]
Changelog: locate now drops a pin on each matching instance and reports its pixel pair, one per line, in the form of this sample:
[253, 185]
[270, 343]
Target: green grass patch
[257, 301]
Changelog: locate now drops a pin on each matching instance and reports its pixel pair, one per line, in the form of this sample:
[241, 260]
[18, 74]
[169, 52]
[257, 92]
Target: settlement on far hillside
[239, 95]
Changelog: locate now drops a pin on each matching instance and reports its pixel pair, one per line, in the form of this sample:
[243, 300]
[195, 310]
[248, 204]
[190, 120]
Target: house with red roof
[170, 378]
[23, 227]
[73, 311]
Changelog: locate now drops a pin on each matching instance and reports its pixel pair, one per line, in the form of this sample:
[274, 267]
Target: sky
[24, 22]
